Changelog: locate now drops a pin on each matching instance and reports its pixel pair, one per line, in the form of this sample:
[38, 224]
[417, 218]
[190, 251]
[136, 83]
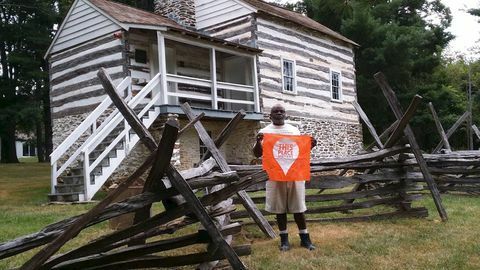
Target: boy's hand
[259, 137]
[313, 142]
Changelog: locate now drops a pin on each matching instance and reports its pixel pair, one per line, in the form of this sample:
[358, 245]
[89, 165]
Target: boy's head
[277, 115]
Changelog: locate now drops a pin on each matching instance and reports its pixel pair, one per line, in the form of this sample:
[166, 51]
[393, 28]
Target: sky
[464, 26]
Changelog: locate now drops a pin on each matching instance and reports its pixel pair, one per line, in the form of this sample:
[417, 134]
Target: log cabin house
[219, 56]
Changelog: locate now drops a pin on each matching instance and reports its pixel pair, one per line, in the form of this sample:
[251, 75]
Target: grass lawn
[392, 244]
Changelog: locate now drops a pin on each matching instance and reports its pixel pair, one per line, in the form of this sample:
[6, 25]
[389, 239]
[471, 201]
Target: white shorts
[285, 197]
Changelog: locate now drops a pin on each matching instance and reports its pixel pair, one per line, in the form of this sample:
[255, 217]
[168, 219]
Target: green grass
[24, 209]
[390, 244]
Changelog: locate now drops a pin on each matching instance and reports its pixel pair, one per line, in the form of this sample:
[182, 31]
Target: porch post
[162, 66]
[256, 94]
[213, 76]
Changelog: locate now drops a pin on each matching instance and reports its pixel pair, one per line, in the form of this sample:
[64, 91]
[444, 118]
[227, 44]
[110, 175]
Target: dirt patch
[3, 193]
[333, 232]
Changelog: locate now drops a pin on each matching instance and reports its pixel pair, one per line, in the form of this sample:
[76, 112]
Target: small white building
[219, 56]
[24, 148]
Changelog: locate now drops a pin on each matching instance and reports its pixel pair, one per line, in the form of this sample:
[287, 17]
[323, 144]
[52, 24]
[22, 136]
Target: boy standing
[284, 197]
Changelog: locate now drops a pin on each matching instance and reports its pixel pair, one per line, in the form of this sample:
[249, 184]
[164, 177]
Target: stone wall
[140, 153]
[240, 143]
[334, 138]
[236, 150]
[62, 127]
[181, 11]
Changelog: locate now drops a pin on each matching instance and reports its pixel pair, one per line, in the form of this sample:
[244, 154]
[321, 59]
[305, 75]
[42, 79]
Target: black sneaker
[284, 245]
[305, 241]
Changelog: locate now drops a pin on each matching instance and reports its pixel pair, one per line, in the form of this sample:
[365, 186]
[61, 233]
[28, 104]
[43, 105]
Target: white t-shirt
[286, 129]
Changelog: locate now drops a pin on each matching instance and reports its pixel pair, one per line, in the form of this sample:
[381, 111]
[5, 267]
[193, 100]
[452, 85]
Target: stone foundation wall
[236, 150]
[181, 11]
[64, 126]
[334, 138]
[140, 153]
[240, 144]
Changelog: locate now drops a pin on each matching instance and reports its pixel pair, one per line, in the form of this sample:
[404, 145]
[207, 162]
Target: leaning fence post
[396, 108]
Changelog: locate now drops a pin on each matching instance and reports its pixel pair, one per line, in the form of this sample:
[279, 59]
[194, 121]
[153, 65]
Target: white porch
[208, 76]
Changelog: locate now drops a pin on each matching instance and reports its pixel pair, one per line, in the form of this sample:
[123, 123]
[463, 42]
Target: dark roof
[296, 18]
[128, 14]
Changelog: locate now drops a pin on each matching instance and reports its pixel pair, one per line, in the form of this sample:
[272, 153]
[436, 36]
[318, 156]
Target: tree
[397, 37]
[474, 11]
[329, 12]
[26, 30]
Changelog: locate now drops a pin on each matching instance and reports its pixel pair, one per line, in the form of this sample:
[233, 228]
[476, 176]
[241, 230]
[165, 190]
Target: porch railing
[89, 124]
[124, 136]
[212, 95]
[116, 129]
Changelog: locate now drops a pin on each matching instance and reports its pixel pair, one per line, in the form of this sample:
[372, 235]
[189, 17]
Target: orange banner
[286, 157]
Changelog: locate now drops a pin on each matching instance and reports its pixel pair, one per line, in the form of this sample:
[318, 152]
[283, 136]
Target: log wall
[75, 88]
[314, 57]
[240, 30]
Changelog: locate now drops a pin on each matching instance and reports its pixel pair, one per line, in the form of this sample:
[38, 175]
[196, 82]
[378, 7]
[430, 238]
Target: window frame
[294, 77]
[340, 90]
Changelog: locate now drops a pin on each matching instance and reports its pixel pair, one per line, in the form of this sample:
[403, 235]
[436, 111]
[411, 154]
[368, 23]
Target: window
[140, 56]
[29, 149]
[335, 86]
[288, 75]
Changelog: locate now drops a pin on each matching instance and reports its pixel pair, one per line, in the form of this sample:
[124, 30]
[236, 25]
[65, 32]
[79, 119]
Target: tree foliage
[404, 39]
[26, 30]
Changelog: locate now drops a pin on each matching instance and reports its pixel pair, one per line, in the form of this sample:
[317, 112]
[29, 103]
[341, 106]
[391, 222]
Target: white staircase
[81, 166]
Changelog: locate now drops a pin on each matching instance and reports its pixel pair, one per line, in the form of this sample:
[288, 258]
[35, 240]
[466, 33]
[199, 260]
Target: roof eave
[217, 40]
[127, 26]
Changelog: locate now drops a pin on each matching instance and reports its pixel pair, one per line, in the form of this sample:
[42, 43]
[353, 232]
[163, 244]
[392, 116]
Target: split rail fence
[381, 182]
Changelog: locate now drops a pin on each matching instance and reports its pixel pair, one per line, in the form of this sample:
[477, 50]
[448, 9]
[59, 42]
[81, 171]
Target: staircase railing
[93, 184]
[90, 123]
[111, 125]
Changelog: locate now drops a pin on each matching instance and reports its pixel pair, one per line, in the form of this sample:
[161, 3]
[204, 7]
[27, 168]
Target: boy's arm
[257, 148]
[314, 142]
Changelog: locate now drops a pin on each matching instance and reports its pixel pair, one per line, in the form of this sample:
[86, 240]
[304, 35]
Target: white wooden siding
[212, 12]
[84, 24]
[314, 56]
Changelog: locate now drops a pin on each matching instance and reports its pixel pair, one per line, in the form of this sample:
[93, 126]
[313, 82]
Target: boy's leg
[300, 220]
[303, 232]
[282, 222]
[282, 227]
